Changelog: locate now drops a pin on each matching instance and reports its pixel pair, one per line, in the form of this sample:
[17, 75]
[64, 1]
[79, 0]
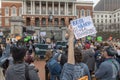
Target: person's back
[108, 70]
[88, 58]
[20, 70]
[16, 72]
[74, 69]
[74, 72]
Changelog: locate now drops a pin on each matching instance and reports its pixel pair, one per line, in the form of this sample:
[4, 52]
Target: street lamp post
[50, 20]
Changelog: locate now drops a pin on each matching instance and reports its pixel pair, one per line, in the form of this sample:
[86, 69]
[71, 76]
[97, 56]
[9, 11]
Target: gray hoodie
[108, 70]
[17, 72]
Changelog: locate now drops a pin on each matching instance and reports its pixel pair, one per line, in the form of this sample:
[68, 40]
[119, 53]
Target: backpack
[79, 73]
[54, 67]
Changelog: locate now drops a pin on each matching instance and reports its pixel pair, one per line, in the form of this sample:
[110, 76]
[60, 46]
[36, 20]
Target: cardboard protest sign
[83, 27]
[42, 33]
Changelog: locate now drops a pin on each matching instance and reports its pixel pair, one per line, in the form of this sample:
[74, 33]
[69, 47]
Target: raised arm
[71, 58]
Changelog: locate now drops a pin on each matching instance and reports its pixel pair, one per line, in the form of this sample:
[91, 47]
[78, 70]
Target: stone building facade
[42, 13]
[45, 15]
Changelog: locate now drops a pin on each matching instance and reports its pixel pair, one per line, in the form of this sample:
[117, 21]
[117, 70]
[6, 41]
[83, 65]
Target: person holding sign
[74, 69]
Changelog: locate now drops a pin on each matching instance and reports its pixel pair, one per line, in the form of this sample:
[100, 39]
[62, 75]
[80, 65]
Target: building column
[46, 7]
[59, 8]
[73, 9]
[40, 7]
[23, 7]
[53, 8]
[31, 7]
[65, 8]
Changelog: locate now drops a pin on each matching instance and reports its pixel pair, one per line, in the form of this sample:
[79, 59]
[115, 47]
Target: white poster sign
[83, 27]
[42, 33]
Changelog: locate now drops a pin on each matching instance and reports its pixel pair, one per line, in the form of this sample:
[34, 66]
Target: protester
[109, 69]
[88, 58]
[54, 67]
[31, 48]
[74, 69]
[98, 56]
[19, 70]
[48, 56]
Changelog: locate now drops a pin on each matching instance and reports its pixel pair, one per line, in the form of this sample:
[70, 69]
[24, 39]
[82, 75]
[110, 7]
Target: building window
[20, 11]
[114, 15]
[118, 14]
[110, 21]
[37, 22]
[6, 21]
[82, 13]
[101, 15]
[7, 11]
[97, 20]
[13, 11]
[88, 12]
[101, 20]
[97, 15]
[110, 16]
[114, 20]
[105, 20]
[106, 16]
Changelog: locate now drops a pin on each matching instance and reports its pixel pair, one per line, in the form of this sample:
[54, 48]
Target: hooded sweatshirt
[17, 72]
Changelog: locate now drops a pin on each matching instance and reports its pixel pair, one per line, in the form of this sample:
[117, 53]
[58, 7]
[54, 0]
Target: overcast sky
[95, 1]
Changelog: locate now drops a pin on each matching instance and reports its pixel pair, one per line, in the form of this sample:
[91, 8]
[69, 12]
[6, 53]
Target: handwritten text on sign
[83, 27]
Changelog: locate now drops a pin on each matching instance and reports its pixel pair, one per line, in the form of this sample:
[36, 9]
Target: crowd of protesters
[79, 60]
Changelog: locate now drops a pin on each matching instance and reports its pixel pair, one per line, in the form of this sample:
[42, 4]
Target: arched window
[13, 11]
[82, 12]
[7, 11]
[88, 12]
[20, 11]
